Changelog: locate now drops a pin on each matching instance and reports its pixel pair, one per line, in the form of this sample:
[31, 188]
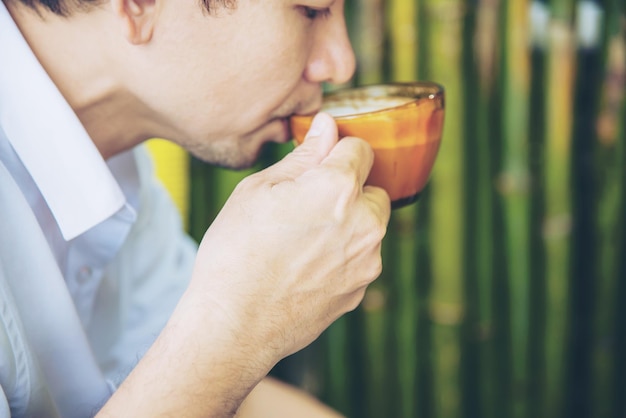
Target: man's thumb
[318, 143]
[322, 135]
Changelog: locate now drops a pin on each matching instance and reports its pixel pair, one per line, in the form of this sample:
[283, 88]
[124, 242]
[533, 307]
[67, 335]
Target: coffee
[402, 122]
[405, 145]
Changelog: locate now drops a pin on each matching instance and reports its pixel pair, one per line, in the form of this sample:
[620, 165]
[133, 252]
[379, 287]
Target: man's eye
[312, 13]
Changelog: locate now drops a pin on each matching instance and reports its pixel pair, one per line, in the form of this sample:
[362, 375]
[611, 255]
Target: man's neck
[113, 117]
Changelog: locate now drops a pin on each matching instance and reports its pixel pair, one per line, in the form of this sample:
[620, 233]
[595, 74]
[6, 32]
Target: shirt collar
[50, 141]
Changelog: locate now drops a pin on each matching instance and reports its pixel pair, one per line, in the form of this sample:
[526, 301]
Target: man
[106, 306]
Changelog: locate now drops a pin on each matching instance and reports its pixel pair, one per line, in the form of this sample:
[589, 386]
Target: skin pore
[220, 84]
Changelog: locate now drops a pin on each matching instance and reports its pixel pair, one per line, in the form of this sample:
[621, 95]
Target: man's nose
[332, 59]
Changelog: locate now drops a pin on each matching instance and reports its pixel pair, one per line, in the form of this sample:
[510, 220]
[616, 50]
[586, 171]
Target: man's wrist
[198, 366]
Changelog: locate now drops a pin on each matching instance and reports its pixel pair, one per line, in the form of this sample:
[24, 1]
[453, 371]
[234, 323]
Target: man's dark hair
[64, 7]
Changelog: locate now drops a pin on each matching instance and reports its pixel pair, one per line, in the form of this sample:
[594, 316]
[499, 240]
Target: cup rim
[432, 91]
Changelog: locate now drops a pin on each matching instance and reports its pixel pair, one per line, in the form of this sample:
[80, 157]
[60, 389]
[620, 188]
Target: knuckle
[359, 149]
[348, 180]
[372, 269]
[357, 298]
[379, 229]
[364, 150]
[375, 270]
[376, 225]
[360, 143]
[343, 177]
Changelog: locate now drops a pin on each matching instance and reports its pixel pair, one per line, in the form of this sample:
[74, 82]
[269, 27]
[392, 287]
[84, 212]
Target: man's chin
[227, 161]
[240, 158]
[245, 152]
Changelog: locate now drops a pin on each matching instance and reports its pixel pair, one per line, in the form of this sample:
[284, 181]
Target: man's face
[225, 83]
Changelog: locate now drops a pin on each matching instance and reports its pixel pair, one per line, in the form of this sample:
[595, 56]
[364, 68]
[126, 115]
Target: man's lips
[286, 130]
[303, 108]
[286, 126]
[278, 130]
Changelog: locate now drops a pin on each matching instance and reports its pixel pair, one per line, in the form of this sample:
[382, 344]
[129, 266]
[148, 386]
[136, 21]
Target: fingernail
[318, 125]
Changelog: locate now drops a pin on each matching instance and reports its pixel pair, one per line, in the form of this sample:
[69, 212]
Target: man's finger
[319, 141]
[354, 154]
[379, 200]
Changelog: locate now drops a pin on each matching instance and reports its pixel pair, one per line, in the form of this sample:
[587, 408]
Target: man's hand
[297, 244]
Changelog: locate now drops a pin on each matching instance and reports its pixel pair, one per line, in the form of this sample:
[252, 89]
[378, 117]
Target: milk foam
[346, 107]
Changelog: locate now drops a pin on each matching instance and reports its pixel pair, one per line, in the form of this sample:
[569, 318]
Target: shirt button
[84, 274]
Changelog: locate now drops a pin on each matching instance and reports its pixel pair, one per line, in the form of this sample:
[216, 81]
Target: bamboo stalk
[357, 366]
[424, 370]
[470, 362]
[608, 168]
[402, 313]
[583, 260]
[513, 187]
[501, 296]
[401, 43]
[335, 390]
[408, 34]
[556, 228]
[404, 43]
[446, 301]
[618, 381]
[377, 347]
[424, 382]
[368, 45]
[536, 382]
[612, 133]
[201, 211]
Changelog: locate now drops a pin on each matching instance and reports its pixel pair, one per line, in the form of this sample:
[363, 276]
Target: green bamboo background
[502, 288]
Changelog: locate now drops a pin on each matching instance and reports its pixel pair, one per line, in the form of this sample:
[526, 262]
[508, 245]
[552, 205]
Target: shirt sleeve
[142, 286]
[4, 406]
[22, 387]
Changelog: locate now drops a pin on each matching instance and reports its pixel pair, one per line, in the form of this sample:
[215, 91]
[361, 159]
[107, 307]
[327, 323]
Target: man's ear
[137, 18]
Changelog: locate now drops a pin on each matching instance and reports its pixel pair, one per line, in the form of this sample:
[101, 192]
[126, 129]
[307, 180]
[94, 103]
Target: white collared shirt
[92, 253]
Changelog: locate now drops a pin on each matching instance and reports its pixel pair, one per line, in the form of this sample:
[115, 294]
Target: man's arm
[187, 391]
[293, 249]
[195, 368]
[274, 399]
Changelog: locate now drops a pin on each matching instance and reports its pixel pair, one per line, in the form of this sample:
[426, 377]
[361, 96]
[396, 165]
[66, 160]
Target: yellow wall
[172, 168]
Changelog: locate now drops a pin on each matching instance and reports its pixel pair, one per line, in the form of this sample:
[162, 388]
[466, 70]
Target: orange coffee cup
[403, 122]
